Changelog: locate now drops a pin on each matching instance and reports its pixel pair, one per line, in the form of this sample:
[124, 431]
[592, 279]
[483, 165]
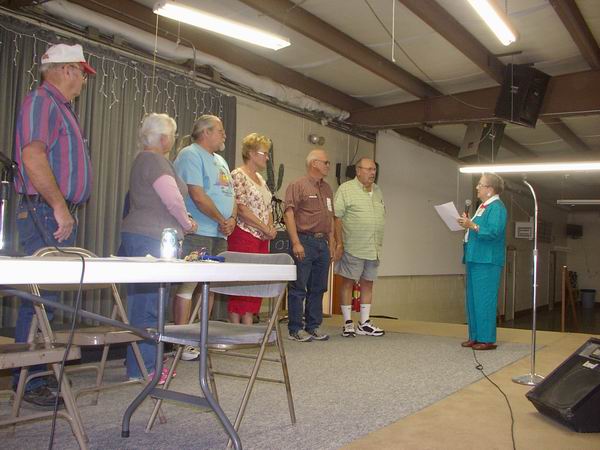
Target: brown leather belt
[314, 235]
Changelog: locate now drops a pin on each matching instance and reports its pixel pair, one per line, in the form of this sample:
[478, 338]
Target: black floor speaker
[571, 393]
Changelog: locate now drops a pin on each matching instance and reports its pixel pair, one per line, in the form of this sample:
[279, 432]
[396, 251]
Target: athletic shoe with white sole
[300, 336]
[190, 353]
[318, 336]
[348, 330]
[368, 329]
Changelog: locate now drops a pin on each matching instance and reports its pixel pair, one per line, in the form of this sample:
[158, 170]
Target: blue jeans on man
[32, 239]
[142, 302]
[311, 283]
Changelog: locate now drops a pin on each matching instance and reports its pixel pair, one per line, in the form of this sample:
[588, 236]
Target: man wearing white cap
[55, 164]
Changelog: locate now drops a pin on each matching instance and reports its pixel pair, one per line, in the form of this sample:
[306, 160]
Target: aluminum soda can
[169, 245]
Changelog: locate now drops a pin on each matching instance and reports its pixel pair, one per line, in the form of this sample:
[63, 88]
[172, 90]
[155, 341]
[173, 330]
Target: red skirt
[242, 241]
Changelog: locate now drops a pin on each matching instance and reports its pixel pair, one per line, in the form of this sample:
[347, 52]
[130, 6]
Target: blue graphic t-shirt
[198, 167]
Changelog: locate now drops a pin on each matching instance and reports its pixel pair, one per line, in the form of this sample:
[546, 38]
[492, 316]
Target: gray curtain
[110, 110]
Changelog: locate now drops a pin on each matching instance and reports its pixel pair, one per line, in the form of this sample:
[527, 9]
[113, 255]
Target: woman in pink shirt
[156, 202]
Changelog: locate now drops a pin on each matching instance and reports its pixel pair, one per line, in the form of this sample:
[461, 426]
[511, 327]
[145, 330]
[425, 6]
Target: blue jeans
[31, 239]
[311, 282]
[142, 302]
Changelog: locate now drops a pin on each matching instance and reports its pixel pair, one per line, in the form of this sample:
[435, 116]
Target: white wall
[520, 209]
[415, 180]
[584, 257]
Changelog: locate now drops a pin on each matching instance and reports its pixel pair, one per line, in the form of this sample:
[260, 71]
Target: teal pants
[483, 281]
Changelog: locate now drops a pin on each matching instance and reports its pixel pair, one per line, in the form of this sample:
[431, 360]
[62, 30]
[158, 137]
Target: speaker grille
[572, 388]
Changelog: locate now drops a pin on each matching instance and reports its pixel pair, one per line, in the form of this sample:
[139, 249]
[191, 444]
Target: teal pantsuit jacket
[484, 258]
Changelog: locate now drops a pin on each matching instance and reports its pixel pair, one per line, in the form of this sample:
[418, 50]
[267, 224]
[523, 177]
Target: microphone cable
[479, 367]
[45, 236]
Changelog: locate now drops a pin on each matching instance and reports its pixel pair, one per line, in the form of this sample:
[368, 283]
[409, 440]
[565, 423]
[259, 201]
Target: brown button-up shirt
[312, 201]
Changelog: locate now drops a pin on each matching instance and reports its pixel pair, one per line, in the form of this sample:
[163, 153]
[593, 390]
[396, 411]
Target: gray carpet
[343, 389]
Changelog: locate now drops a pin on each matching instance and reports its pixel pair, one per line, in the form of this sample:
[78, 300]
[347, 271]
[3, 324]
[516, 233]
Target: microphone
[7, 161]
[467, 206]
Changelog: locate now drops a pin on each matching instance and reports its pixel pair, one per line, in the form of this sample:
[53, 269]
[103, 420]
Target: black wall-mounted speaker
[481, 141]
[574, 231]
[350, 172]
[571, 393]
[522, 94]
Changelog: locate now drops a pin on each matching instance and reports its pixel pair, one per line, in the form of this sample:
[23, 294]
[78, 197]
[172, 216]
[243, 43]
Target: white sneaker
[368, 329]
[190, 353]
[348, 330]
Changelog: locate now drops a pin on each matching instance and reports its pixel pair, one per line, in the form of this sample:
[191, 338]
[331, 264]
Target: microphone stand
[532, 379]
[6, 186]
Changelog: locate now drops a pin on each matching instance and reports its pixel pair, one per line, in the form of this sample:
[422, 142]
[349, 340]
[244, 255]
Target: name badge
[329, 206]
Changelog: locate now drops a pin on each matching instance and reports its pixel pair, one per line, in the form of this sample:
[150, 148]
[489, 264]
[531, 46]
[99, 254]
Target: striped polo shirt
[362, 214]
[48, 117]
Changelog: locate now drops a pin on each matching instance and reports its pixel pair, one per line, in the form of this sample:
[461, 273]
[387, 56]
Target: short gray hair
[312, 156]
[47, 67]
[495, 182]
[364, 158]
[153, 127]
[204, 122]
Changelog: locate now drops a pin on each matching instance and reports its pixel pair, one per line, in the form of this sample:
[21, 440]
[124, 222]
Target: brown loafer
[484, 346]
[468, 343]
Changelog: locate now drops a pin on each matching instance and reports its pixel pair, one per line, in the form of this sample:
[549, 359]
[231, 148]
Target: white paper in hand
[449, 214]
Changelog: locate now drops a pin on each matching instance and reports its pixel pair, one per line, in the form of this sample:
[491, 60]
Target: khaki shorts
[194, 242]
[355, 268]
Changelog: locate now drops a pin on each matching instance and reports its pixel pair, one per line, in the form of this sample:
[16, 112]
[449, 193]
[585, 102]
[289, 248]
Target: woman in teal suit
[484, 258]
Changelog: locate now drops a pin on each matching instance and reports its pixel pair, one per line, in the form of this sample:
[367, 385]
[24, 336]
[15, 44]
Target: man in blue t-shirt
[211, 201]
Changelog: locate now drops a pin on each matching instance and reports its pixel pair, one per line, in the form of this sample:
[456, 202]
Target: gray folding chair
[226, 338]
[94, 336]
[34, 352]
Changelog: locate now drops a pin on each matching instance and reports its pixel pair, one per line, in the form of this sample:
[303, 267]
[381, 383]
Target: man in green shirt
[359, 221]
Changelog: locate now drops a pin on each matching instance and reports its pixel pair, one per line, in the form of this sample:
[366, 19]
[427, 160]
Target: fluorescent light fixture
[575, 202]
[216, 24]
[495, 19]
[583, 166]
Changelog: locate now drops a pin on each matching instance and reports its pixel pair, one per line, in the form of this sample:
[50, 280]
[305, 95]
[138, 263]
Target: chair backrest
[267, 289]
[67, 252]
[117, 311]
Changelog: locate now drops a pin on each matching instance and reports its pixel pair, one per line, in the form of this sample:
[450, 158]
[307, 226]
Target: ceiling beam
[141, 17]
[516, 148]
[429, 140]
[430, 12]
[16, 4]
[566, 134]
[300, 20]
[571, 17]
[566, 95]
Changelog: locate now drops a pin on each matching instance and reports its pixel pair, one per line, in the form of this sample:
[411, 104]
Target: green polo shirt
[362, 214]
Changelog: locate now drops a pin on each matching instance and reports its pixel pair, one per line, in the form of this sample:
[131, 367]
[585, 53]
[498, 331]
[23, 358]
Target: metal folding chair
[94, 336]
[227, 338]
[32, 353]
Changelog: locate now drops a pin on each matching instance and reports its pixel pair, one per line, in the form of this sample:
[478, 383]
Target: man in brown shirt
[309, 221]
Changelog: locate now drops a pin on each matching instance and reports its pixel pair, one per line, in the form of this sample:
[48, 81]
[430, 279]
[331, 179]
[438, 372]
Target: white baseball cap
[63, 53]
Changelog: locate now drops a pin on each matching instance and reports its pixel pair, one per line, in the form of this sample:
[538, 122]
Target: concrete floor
[477, 416]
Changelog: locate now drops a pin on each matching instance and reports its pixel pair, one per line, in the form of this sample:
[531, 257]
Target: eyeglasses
[265, 154]
[482, 185]
[327, 163]
[370, 169]
[84, 75]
